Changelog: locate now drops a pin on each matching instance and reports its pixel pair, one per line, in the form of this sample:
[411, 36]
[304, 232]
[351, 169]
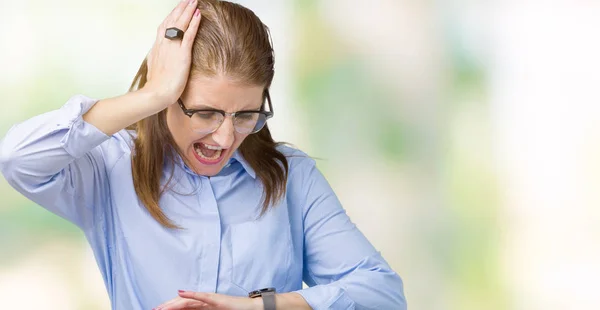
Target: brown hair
[231, 41]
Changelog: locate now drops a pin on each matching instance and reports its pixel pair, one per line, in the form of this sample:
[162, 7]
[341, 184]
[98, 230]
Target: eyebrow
[207, 107]
[202, 107]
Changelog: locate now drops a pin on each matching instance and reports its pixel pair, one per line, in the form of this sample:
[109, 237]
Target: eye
[246, 116]
[206, 115]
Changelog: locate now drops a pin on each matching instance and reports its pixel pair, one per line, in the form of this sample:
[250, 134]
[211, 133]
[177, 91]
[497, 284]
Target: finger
[183, 303]
[190, 34]
[172, 18]
[184, 19]
[167, 303]
[208, 298]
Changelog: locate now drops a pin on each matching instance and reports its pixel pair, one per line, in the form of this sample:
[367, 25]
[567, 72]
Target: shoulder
[302, 168]
[305, 183]
[296, 158]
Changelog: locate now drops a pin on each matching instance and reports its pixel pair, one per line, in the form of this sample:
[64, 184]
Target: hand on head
[170, 59]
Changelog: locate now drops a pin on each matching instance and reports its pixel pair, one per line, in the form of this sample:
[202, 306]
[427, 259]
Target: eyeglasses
[207, 121]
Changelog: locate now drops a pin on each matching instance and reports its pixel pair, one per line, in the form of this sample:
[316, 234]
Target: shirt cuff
[326, 297]
[81, 136]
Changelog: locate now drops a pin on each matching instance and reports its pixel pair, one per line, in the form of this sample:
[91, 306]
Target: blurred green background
[462, 137]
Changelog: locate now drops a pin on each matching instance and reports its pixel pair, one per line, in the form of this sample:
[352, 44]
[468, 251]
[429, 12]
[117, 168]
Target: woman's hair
[231, 41]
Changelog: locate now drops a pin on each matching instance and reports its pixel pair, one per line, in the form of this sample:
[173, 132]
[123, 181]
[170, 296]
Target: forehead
[221, 93]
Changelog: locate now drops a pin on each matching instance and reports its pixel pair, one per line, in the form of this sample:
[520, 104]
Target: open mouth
[208, 154]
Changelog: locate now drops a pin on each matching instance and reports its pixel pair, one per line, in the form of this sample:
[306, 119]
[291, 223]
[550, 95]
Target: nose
[224, 135]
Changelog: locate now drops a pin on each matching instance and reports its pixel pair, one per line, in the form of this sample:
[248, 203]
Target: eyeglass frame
[268, 114]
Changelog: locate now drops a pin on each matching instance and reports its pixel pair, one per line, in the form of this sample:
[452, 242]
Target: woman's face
[206, 154]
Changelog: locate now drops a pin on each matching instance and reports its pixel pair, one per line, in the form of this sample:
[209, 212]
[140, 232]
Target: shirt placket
[210, 244]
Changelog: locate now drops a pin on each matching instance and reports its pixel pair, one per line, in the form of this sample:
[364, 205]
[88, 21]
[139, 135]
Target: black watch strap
[269, 300]
[268, 297]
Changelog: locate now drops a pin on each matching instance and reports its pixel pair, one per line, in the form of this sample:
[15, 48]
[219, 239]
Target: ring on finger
[174, 33]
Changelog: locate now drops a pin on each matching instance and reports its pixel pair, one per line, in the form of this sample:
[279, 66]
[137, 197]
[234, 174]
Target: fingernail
[181, 291]
[197, 12]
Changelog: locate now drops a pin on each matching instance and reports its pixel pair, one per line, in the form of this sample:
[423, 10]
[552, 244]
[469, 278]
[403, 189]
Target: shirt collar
[237, 156]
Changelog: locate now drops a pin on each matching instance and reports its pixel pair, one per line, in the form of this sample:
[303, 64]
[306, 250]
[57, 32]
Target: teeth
[217, 154]
[210, 147]
[218, 150]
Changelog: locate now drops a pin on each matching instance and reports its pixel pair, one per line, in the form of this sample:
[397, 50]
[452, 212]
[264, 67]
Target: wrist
[257, 303]
[157, 97]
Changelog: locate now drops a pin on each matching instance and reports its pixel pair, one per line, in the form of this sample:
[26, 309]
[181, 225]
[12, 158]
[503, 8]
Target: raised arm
[55, 160]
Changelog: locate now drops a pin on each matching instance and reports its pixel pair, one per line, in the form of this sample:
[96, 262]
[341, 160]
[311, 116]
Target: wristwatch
[268, 296]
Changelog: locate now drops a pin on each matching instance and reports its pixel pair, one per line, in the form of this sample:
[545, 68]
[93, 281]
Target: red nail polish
[181, 291]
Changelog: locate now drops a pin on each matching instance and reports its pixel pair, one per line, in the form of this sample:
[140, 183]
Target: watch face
[258, 293]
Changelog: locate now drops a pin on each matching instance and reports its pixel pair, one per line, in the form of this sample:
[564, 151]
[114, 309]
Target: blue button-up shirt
[69, 167]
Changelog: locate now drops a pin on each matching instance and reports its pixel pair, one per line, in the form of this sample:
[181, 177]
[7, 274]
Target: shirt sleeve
[53, 160]
[341, 267]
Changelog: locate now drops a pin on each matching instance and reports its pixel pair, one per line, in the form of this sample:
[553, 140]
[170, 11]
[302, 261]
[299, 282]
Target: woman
[184, 197]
